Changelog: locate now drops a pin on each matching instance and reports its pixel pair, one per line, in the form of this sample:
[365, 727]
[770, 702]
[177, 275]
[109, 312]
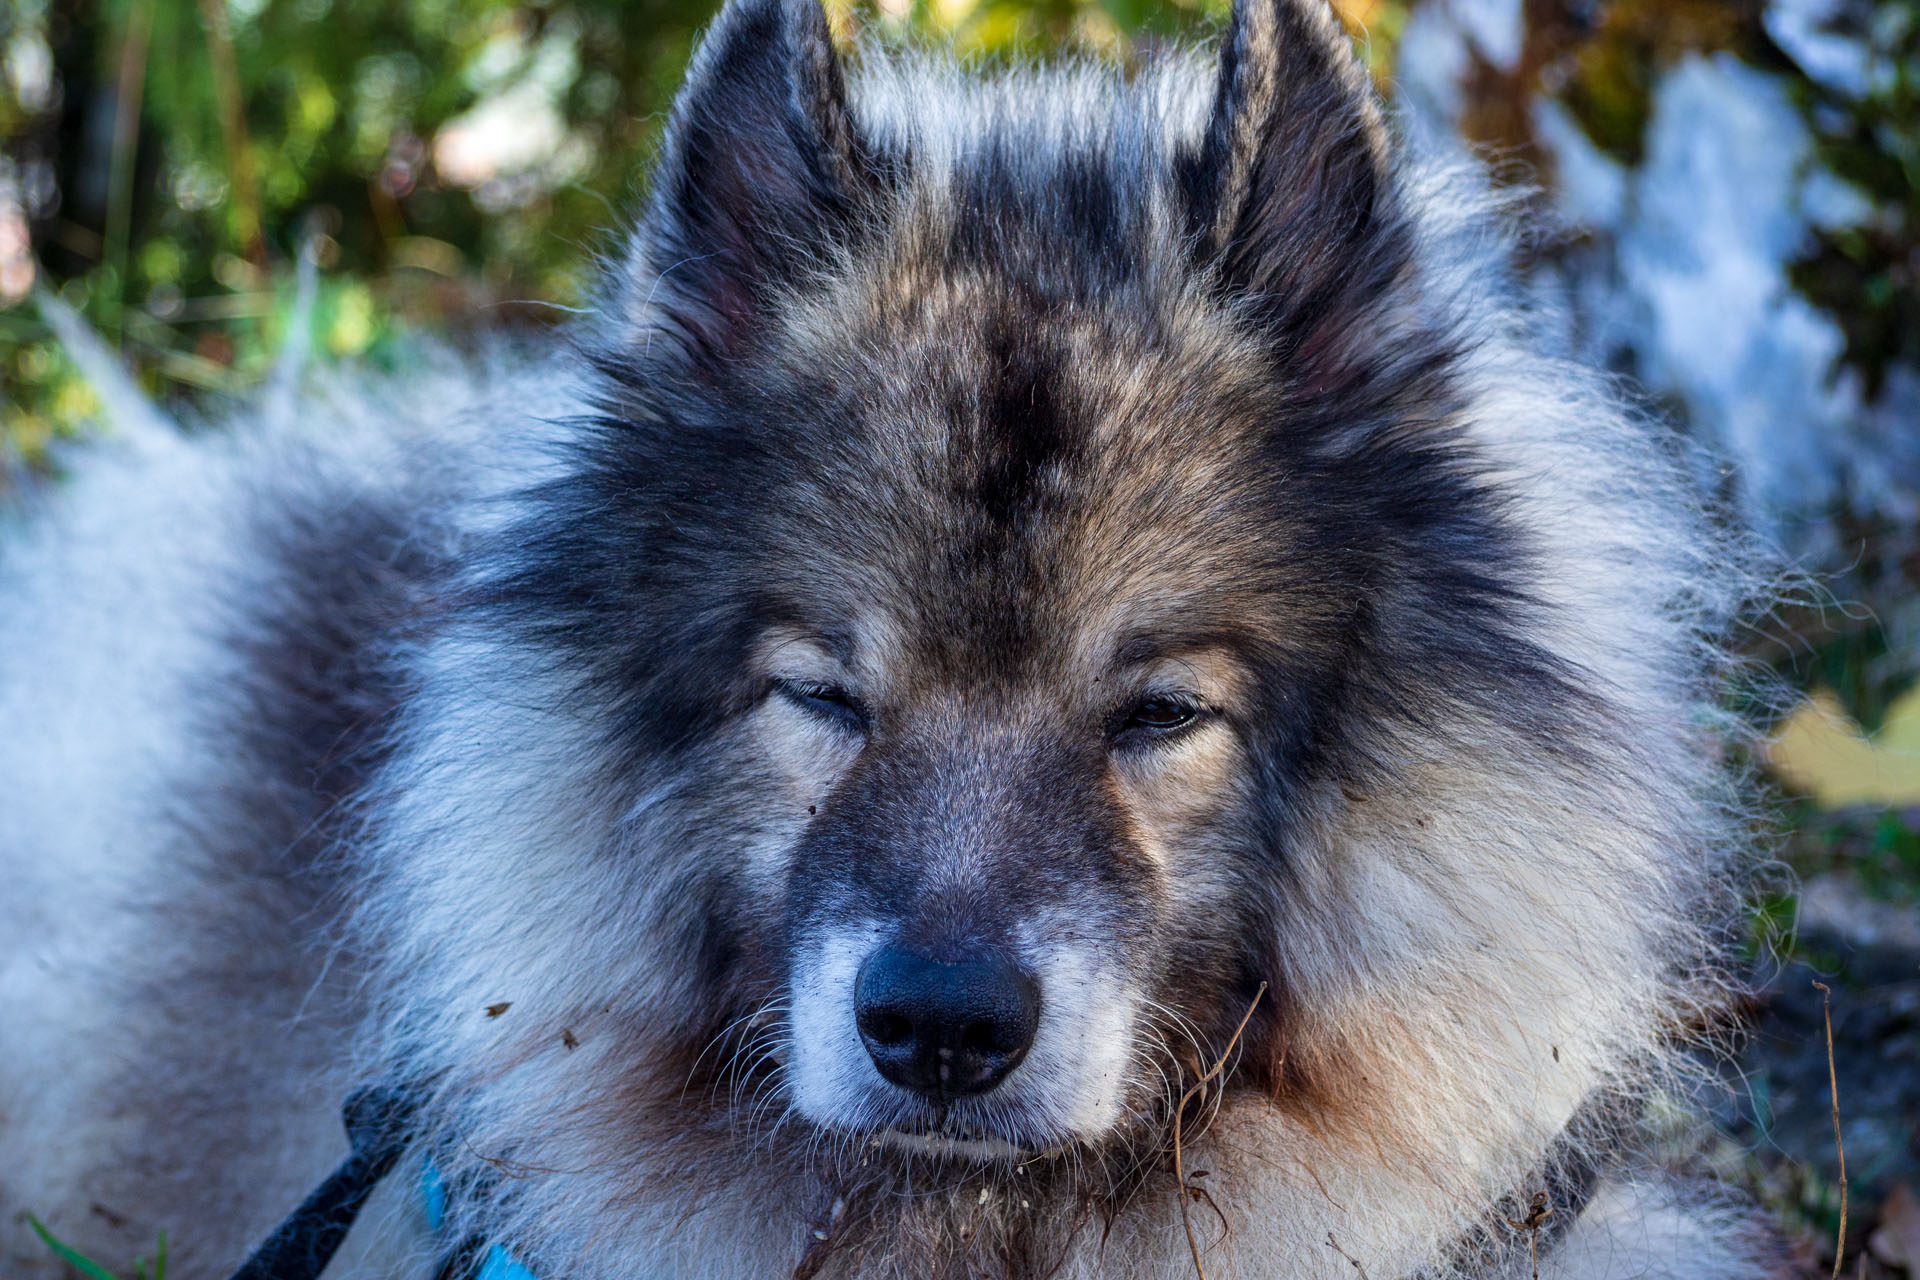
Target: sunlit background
[1731, 192]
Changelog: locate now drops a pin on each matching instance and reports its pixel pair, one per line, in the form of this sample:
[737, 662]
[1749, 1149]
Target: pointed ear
[1291, 183]
[762, 173]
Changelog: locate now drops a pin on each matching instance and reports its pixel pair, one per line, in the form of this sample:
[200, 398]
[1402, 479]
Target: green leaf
[68, 1254]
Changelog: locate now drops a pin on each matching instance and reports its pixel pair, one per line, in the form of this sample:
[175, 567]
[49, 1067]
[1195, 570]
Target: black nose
[945, 1028]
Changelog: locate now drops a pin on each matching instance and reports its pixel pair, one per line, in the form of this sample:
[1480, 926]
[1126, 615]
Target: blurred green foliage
[1879, 849]
[171, 155]
[1869, 276]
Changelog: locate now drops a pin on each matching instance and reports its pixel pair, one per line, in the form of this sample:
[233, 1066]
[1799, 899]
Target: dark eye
[1160, 714]
[829, 702]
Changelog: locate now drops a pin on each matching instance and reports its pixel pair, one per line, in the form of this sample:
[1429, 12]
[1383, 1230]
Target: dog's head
[1039, 507]
[1044, 581]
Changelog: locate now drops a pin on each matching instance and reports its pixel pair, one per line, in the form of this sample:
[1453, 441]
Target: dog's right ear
[1290, 188]
[762, 169]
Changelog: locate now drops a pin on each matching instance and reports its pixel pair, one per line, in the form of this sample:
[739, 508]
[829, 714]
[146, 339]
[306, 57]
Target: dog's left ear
[762, 171]
[1290, 188]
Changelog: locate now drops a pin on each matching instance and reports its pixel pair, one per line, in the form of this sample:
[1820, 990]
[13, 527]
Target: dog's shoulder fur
[199, 653]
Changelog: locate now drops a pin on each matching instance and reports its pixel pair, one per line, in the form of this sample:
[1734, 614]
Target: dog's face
[1020, 697]
[973, 912]
[1004, 546]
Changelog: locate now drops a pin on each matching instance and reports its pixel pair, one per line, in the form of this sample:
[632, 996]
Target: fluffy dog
[1060, 681]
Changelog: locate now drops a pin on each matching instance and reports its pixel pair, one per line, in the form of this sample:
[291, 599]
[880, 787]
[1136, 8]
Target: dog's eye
[829, 702]
[1157, 715]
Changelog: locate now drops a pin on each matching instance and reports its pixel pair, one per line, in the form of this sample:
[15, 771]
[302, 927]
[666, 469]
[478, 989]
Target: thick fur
[555, 730]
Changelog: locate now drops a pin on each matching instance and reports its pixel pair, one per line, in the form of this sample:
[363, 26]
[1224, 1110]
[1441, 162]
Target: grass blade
[68, 1254]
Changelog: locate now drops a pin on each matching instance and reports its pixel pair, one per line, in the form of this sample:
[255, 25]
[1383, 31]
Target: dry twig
[1538, 1211]
[1833, 1089]
[1335, 1244]
[1179, 1171]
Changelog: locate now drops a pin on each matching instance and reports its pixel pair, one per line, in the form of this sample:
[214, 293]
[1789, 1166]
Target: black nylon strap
[377, 1121]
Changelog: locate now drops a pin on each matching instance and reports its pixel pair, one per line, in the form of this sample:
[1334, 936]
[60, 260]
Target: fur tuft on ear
[1290, 190]
[763, 171]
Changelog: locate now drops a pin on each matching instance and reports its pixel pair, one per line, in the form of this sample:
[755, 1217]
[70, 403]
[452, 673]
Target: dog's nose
[945, 1028]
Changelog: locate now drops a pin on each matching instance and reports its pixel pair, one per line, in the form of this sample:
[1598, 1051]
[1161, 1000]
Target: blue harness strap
[472, 1258]
[501, 1265]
